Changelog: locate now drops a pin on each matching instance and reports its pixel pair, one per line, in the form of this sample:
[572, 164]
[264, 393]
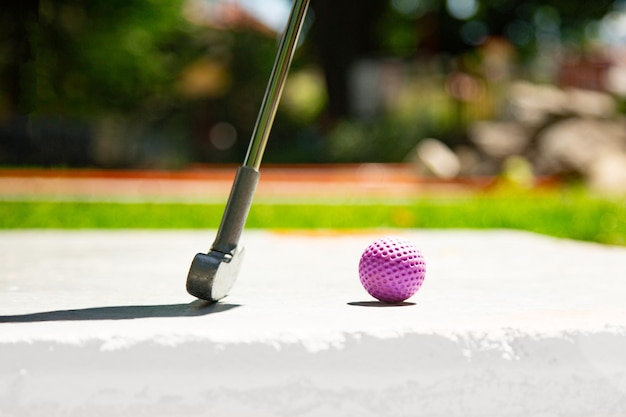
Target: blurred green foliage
[127, 60]
[116, 56]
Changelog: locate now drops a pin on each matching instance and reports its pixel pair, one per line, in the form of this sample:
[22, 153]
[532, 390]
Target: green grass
[574, 215]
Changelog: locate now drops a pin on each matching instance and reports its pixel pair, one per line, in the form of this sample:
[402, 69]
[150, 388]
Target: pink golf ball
[392, 269]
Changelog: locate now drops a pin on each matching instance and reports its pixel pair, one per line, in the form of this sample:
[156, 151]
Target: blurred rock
[574, 145]
[557, 133]
[616, 80]
[608, 173]
[588, 103]
[532, 105]
[499, 139]
[437, 159]
[473, 163]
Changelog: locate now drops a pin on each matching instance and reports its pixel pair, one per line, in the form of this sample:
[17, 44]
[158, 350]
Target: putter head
[213, 274]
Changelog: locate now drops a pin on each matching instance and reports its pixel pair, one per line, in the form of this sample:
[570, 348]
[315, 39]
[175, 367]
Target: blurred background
[458, 88]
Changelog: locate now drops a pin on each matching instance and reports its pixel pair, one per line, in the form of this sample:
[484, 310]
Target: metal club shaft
[274, 90]
[247, 177]
[211, 275]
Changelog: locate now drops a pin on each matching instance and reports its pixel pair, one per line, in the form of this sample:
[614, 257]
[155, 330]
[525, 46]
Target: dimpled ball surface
[392, 269]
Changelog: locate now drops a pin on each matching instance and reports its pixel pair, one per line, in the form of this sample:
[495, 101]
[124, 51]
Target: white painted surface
[506, 324]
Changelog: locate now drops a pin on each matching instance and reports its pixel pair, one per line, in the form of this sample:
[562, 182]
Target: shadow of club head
[213, 274]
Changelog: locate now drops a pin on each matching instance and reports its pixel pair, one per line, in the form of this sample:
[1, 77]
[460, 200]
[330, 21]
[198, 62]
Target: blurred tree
[67, 63]
[344, 32]
[136, 68]
[107, 56]
[18, 29]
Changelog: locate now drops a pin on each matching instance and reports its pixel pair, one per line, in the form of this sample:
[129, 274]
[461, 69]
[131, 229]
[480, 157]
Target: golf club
[212, 275]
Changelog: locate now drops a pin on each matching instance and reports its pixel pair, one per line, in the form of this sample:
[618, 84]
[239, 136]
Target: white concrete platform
[98, 323]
